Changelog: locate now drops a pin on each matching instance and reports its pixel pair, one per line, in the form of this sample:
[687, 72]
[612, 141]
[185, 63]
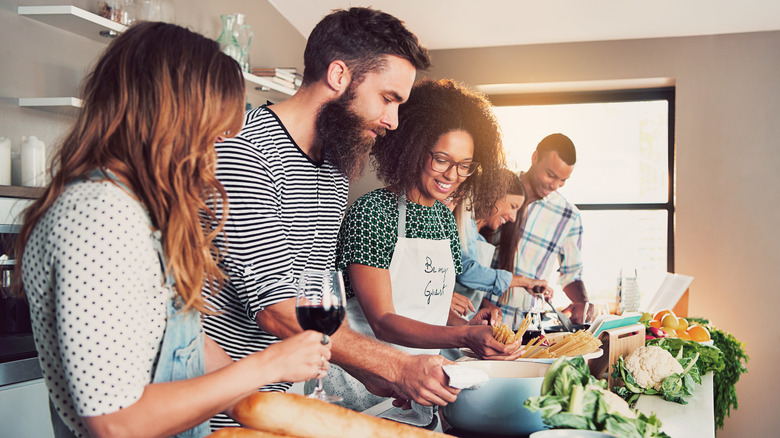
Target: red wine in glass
[325, 321]
[320, 305]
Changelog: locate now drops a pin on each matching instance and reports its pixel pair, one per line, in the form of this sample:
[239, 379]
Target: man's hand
[578, 296]
[419, 378]
[575, 312]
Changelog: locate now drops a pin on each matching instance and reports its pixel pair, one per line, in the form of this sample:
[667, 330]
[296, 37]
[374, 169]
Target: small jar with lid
[121, 11]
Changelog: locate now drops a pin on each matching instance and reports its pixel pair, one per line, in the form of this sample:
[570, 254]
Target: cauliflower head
[649, 366]
[616, 404]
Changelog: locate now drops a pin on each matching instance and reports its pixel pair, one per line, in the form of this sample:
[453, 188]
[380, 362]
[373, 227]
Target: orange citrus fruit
[660, 315]
[656, 324]
[682, 334]
[698, 333]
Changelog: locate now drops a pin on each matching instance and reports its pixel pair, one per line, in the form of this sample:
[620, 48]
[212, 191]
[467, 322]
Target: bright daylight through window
[621, 181]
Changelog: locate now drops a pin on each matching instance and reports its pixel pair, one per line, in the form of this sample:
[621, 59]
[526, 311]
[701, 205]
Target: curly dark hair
[435, 108]
[359, 37]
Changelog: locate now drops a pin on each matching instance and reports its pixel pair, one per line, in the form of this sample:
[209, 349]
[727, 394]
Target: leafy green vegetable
[674, 388]
[710, 358]
[735, 359]
[572, 398]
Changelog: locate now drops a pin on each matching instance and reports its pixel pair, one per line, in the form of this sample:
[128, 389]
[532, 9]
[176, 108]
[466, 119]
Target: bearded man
[286, 175]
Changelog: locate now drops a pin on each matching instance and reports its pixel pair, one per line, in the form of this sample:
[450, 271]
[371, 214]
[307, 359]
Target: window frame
[632, 95]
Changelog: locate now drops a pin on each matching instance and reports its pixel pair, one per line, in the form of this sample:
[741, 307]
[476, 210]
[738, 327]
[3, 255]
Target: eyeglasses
[440, 163]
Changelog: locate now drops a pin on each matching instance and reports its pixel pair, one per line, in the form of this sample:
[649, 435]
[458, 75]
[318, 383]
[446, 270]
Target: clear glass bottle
[227, 39]
[244, 35]
[129, 12]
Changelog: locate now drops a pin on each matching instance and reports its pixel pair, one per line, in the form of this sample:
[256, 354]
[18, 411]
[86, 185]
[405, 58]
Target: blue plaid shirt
[552, 231]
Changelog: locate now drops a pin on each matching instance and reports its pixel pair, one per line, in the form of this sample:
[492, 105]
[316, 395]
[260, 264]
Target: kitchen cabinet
[78, 21]
[24, 410]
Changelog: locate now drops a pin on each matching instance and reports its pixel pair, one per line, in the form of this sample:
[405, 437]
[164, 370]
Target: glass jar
[111, 9]
[227, 39]
[121, 11]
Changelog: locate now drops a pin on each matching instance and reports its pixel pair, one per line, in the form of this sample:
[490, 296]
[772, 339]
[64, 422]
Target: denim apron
[181, 354]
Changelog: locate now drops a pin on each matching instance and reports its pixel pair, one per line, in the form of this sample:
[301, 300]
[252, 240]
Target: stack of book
[285, 76]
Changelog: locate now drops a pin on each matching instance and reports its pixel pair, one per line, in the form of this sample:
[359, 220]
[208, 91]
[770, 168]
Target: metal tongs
[565, 321]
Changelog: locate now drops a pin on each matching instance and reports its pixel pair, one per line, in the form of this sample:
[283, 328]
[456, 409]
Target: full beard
[343, 136]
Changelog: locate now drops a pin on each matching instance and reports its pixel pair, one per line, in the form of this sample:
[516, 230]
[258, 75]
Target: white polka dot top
[93, 281]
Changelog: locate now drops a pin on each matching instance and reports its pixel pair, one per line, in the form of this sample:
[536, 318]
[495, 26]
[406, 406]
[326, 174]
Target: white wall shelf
[75, 20]
[263, 84]
[62, 105]
[97, 28]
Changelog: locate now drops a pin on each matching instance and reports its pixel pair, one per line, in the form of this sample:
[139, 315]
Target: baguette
[303, 417]
[242, 432]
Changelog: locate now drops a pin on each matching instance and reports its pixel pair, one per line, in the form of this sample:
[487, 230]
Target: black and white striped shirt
[284, 216]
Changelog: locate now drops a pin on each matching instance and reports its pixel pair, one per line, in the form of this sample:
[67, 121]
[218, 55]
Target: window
[623, 181]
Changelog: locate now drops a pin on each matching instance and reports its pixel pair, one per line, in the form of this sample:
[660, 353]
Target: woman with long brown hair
[115, 252]
[502, 226]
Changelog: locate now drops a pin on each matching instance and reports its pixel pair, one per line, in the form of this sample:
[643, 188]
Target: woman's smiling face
[505, 211]
[455, 147]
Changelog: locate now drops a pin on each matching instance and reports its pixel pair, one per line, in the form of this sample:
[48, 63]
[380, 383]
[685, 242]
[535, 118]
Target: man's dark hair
[560, 144]
[360, 37]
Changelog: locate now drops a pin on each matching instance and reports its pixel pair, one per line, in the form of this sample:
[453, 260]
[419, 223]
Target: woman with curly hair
[399, 245]
[115, 252]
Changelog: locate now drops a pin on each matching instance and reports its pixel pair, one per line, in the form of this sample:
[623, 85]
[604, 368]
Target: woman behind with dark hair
[399, 245]
[115, 252]
[477, 252]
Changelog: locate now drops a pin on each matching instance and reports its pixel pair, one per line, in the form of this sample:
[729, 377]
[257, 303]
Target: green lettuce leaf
[574, 399]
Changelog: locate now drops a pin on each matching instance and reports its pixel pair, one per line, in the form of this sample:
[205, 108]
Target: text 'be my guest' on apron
[422, 277]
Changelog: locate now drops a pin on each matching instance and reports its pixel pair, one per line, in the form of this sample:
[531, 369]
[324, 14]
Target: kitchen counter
[697, 418]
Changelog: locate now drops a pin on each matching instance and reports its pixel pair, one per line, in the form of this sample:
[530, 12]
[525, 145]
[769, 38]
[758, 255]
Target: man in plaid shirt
[552, 229]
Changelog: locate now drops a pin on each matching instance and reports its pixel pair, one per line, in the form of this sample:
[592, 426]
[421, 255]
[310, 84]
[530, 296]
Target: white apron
[422, 277]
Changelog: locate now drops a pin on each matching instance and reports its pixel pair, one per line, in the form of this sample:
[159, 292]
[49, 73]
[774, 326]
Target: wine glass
[320, 305]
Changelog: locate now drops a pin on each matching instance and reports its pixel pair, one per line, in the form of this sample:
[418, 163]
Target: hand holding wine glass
[321, 305]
